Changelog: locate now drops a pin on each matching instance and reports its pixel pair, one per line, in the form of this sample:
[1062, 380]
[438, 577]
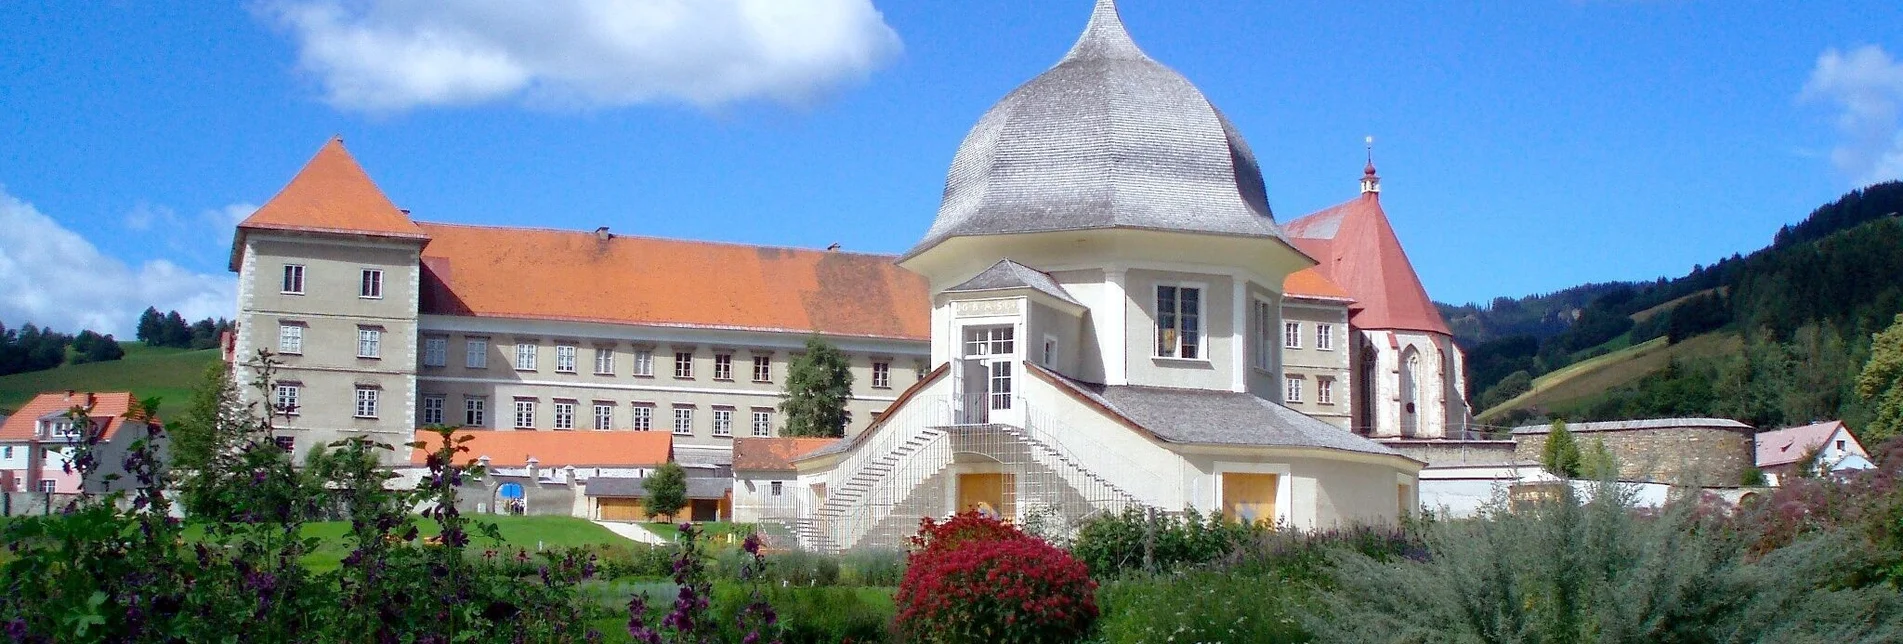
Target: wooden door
[1249, 498]
[620, 509]
[988, 491]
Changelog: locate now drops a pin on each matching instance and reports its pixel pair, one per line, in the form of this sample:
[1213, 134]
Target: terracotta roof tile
[1309, 282]
[331, 194]
[556, 449]
[773, 454]
[1358, 250]
[527, 273]
[1791, 444]
[111, 407]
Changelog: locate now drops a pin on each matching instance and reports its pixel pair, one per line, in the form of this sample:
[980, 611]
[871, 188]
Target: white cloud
[208, 232]
[1866, 86]
[52, 277]
[392, 55]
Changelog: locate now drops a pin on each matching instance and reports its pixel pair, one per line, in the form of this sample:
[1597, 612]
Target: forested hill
[1780, 331]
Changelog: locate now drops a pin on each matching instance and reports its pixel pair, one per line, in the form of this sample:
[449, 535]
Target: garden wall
[1678, 451]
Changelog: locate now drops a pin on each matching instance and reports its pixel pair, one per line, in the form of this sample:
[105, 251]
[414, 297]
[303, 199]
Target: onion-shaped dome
[1108, 138]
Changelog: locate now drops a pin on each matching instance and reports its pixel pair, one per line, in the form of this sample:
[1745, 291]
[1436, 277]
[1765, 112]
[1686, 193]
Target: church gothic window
[1178, 322]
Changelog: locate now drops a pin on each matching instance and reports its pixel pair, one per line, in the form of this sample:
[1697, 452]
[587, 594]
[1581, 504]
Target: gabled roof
[1791, 444]
[1007, 274]
[555, 449]
[773, 454]
[109, 408]
[1358, 250]
[526, 273]
[332, 193]
[1310, 283]
[1211, 417]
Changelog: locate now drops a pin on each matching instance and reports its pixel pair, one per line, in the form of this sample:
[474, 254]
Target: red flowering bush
[975, 579]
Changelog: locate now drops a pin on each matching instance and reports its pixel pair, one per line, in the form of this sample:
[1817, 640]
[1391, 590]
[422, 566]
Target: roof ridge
[703, 242]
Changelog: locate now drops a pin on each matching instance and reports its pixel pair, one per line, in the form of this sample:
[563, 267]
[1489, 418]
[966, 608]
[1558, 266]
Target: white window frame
[604, 361]
[1292, 389]
[370, 287]
[49, 486]
[723, 422]
[683, 420]
[763, 368]
[524, 414]
[476, 353]
[285, 400]
[604, 416]
[369, 342]
[1324, 391]
[564, 414]
[684, 365]
[1325, 337]
[881, 374]
[641, 417]
[1201, 336]
[723, 366]
[644, 363]
[475, 411]
[776, 488]
[293, 283]
[524, 356]
[565, 358]
[291, 339]
[434, 409]
[762, 422]
[435, 351]
[1291, 334]
[368, 401]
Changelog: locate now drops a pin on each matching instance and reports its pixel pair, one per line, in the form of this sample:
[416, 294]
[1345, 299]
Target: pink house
[38, 440]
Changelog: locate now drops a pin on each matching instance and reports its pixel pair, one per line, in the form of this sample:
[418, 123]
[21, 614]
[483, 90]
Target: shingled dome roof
[1108, 138]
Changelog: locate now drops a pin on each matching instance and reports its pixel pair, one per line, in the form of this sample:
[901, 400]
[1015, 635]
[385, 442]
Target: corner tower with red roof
[1408, 377]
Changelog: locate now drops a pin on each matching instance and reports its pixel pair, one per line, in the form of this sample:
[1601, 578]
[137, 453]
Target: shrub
[816, 615]
[1113, 545]
[1564, 570]
[873, 567]
[796, 568]
[1202, 607]
[974, 579]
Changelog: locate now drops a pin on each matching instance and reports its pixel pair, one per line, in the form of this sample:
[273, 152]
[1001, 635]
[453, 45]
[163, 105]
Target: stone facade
[1677, 451]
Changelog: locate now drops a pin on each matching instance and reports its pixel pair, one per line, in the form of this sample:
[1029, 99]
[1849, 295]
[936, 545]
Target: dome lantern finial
[1105, 36]
[1370, 183]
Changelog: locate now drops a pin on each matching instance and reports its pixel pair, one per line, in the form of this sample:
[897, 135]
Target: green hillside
[1581, 382]
[145, 371]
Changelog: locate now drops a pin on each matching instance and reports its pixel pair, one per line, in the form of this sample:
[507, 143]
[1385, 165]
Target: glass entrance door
[985, 374]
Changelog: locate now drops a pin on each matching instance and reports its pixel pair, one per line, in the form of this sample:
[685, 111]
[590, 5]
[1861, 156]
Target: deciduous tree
[667, 491]
[1881, 383]
[817, 387]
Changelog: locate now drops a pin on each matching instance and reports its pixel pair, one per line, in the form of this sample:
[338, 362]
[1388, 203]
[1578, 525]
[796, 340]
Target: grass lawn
[147, 372]
[1590, 378]
[719, 530]
[529, 533]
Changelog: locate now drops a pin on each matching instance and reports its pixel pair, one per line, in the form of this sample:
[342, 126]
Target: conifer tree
[151, 329]
[1561, 454]
[817, 387]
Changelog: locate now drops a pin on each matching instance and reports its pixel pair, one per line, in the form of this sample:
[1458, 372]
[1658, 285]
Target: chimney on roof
[602, 234]
[834, 247]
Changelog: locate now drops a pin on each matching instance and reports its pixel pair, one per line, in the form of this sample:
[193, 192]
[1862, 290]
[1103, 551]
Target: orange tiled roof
[110, 407]
[556, 449]
[526, 273]
[773, 454]
[1358, 250]
[332, 194]
[1309, 282]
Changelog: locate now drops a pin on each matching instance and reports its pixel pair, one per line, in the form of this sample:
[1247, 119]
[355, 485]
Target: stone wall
[1451, 453]
[1692, 453]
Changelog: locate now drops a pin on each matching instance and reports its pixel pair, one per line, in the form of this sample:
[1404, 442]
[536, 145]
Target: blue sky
[1525, 146]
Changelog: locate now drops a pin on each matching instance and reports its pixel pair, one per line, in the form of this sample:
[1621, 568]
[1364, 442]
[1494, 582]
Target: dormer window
[1179, 314]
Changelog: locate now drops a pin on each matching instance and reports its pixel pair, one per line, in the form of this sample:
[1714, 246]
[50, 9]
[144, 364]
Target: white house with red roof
[1826, 447]
[39, 440]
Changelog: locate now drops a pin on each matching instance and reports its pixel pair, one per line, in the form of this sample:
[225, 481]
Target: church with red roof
[1408, 375]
